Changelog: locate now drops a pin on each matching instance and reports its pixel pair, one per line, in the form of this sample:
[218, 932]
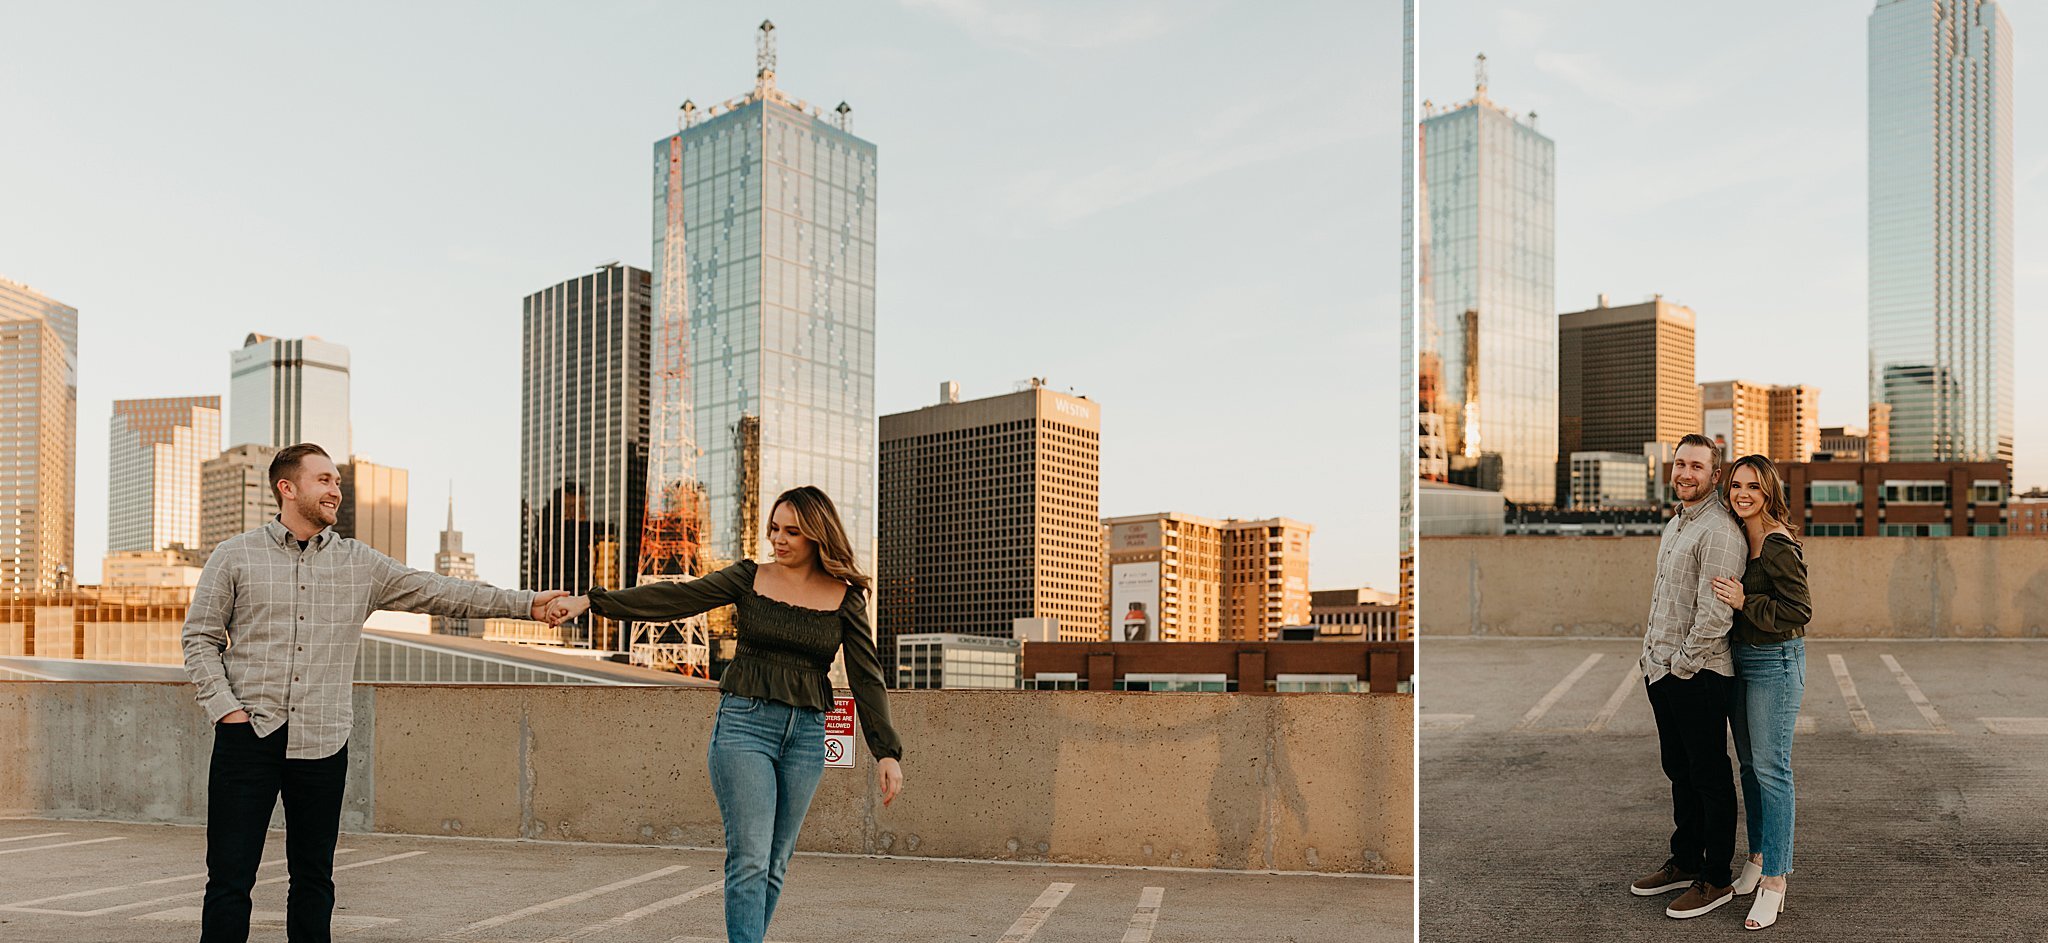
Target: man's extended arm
[403, 589]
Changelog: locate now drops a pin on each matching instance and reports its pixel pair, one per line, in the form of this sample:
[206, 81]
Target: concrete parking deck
[1920, 769]
[88, 882]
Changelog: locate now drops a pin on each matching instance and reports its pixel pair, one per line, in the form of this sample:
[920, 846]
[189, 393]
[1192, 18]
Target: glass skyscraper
[284, 391]
[38, 439]
[1941, 228]
[154, 457]
[1487, 350]
[583, 436]
[764, 334]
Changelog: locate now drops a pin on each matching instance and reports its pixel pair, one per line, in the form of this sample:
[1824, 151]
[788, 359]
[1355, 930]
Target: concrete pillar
[1251, 672]
[1101, 671]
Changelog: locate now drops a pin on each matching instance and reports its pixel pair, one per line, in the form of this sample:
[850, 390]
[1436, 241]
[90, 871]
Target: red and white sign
[839, 734]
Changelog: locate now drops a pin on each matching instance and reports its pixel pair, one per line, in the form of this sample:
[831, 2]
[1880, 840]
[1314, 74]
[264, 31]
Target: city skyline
[1071, 234]
[1756, 216]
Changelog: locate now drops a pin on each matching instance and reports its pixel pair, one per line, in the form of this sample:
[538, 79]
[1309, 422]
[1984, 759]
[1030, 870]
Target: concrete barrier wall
[1863, 587]
[1311, 782]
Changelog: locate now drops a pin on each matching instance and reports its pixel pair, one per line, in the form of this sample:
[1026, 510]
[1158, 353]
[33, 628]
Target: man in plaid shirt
[270, 641]
[1688, 668]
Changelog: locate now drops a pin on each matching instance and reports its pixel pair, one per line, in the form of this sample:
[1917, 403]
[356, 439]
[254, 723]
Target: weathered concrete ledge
[1292, 782]
[1863, 587]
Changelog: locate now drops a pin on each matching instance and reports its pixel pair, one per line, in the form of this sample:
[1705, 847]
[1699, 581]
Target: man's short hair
[1701, 440]
[285, 466]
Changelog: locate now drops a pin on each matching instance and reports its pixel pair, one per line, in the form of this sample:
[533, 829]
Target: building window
[1834, 492]
[1916, 492]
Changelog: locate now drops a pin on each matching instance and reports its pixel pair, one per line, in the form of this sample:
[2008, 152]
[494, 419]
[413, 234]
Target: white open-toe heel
[1752, 872]
[1769, 904]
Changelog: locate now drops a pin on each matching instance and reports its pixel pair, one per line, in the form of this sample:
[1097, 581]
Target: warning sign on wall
[839, 734]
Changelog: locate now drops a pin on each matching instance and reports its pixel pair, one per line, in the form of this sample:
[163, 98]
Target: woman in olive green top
[768, 742]
[1769, 645]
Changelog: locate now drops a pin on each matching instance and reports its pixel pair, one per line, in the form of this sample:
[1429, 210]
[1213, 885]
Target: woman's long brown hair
[818, 520]
[1776, 512]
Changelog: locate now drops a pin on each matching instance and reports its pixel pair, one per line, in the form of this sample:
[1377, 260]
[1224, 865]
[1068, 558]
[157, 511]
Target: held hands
[889, 778]
[542, 603]
[1728, 591]
[562, 608]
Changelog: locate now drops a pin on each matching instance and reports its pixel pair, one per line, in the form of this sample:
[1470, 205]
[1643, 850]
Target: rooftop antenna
[1479, 74]
[686, 116]
[845, 113]
[764, 56]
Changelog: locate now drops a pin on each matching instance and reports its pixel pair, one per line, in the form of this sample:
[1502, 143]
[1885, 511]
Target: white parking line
[2016, 726]
[1445, 721]
[64, 844]
[1543, 706]
[1035, 916]
[1857, 714]
[1913, 693]
[95, 892]
[165, 900]
[34, 837]
[1147, 916]
[1631, 679]
[632, 915]
[577, 897]
[275, 918]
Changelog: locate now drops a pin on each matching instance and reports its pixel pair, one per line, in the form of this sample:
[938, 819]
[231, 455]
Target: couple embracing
[1725, 651]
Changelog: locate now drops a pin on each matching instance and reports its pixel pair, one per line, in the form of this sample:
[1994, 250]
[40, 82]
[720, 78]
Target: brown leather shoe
[1698, 899]
[1666, 878]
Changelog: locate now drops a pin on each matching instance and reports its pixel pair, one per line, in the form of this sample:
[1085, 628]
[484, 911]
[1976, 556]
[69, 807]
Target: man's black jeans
[243, 783]
[1692, 732]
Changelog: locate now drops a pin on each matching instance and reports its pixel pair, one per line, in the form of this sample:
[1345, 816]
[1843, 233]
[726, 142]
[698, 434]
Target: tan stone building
[1795, 423]
[1176, 577]
[1737, 414]
[1781, 422]
[373, 506]
[233, 496]
[990, 512]
[39, 429]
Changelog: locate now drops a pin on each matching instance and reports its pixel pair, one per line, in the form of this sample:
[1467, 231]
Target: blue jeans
[765, 760]
[1763, 707]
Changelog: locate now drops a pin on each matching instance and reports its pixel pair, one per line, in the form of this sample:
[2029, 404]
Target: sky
[1187, 211]
[1717, 153]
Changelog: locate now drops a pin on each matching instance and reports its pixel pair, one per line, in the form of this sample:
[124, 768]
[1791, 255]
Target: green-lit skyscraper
[1941, 228]
[764, 324]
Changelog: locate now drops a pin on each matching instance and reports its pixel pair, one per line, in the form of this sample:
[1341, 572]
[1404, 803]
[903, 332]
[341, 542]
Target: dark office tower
[991, 513]
[583, 436]
[1625, 380]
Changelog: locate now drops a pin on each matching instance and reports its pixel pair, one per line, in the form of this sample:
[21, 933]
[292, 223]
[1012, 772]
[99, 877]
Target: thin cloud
[1082, 26]
[1059, 199]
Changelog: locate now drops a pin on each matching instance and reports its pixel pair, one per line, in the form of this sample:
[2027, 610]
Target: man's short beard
[311, 509]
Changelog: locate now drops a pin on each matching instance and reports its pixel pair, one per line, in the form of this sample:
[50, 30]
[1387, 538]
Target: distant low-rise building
[1899, 499]
[1609, 480]
[174, 566]
[954, 660]
[1362, 614]
[1451, 510]
[1274, 667]
[2027, 515]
